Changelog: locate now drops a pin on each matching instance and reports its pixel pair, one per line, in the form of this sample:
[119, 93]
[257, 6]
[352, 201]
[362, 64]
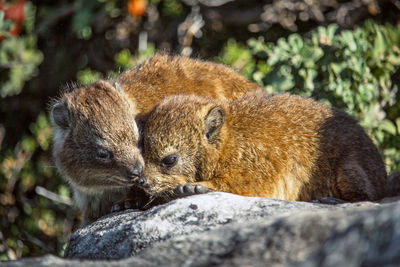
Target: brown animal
[95, 143]
[164, 75]
[281, 146]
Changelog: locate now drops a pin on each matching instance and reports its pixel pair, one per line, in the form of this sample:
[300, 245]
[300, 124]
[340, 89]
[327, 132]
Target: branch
[53, 196]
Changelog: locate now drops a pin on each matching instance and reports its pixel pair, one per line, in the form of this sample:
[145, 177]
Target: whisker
[120, 180]
[50, 166]
[152, 198]
[167, 195]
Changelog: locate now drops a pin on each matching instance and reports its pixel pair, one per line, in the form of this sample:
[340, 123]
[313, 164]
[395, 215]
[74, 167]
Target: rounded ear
[60, 116]
[213, 123]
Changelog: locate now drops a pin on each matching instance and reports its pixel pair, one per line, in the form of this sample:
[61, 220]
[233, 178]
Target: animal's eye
[103, 154]
[169, 161]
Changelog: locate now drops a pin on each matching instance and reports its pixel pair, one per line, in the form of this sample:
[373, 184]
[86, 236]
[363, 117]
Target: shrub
[19, 56]
[350, 70]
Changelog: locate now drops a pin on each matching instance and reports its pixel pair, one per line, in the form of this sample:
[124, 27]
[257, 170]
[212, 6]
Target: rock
[125, 234]
[230, 230]
[354, 237]
[53, 261]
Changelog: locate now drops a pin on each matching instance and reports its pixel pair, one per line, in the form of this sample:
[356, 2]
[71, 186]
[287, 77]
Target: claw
[116, 208]
[189, 189]
[127, 205]
[328, 201]
[199, 189]
[179, 190]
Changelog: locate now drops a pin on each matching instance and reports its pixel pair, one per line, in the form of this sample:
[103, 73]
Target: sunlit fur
[103, 114]
[282, 146]
[74, 149]
[164, 75]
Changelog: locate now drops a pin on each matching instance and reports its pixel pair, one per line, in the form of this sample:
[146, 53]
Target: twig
[2, 134]
[53, 196]
[189, 28]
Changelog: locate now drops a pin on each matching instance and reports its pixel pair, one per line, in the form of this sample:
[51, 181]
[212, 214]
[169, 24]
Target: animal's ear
[59, 114]
[213, 123]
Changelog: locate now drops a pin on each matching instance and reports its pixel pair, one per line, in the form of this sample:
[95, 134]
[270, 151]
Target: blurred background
[344, 53]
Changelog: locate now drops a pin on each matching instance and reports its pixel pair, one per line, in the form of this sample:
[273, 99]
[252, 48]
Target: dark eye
[103, 154]
[169, 161]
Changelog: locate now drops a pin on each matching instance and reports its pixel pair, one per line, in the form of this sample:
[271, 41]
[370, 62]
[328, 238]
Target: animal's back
[164, 75]
[304, 148]
[276, 141]
[353, 158]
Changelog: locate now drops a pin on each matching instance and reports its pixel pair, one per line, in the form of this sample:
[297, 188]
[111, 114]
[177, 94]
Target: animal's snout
[135, 171]
[141, 181]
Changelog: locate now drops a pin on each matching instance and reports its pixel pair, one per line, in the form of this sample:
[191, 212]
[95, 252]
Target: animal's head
[182, 139]
[95, 137]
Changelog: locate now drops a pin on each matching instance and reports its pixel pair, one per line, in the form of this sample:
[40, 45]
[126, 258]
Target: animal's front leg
[136, 199]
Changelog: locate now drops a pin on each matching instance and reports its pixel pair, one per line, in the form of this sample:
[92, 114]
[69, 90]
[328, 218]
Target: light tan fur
[101, 117]
[282, 146]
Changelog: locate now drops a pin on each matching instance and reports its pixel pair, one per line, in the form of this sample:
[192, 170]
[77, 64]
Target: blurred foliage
[123, 61]
[90, 12]
[53, 43]
[350, 70]
[19, 56]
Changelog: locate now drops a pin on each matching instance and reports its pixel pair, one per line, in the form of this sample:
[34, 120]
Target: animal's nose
[136, 171]
[140, 181]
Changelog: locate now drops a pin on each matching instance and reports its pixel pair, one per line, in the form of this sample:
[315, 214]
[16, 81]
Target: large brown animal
[281, 146]
[95, 143]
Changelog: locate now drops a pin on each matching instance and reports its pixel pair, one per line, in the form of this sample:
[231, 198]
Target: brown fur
[103, 114]
[282, 146]
[393, 187]
[164, 75]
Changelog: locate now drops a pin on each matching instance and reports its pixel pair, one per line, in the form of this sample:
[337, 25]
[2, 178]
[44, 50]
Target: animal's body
[281, 146]
[96, 136]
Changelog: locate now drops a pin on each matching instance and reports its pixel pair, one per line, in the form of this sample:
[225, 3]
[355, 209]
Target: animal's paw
[126, 204]
[328, 201]
[189, 189]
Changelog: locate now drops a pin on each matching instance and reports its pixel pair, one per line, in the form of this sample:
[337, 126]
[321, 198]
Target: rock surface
[230, 230]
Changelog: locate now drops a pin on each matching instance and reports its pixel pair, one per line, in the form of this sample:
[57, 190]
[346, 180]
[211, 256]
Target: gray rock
[355, 237]
[125, 234]
[229, 230]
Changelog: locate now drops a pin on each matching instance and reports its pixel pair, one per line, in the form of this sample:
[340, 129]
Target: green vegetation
[19, 57]
[350, 70]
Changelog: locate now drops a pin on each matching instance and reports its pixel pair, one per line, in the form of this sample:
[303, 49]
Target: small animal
[96, 128]
[163, 75]
[275, 146]
[95, 146]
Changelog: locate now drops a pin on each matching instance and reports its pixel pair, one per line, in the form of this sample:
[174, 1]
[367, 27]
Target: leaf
[379, 45]
[123, 59]
[331, 30]
[398, 125]
[28, 143]
[348, 37]
[388, 126]
[394, 59]
[295, 42]
[1, 19]
[282, 79]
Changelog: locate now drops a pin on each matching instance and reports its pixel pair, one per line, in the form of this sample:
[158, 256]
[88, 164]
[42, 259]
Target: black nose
[136, 171]
[140, 181]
